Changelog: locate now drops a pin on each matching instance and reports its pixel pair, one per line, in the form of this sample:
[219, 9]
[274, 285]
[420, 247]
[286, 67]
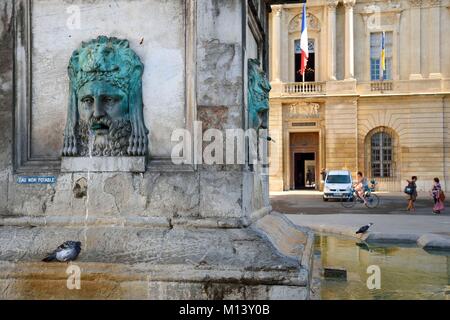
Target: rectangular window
[311, 46]
[310, 75]
[375, 55]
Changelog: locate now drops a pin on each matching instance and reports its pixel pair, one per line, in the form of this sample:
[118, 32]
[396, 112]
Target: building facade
[349, 113]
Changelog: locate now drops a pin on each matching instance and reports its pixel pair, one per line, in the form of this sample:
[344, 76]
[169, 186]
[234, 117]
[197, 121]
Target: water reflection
[406, 272]
[447, 292]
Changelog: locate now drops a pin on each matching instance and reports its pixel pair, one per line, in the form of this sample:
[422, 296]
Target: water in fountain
[91, 149]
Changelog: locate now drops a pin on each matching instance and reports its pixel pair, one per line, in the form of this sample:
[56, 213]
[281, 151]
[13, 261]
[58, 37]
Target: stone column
[332, 4]
[366, 66]
[434, 23]
[6, 102]
[415, 40]
[396, 48]
[276, 147]
[349, 40]
[276, 34]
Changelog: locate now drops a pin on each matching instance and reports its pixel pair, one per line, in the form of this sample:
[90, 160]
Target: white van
[337, 184]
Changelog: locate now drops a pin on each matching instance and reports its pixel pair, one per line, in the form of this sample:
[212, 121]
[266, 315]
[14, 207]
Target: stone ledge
[103, 164]
[93, 271]
[118, 282]
[258, 214]
[202, 248]
[148, 222]
[81, 221]
[426, 241]
[290, 240]
[434, 242]
[128, 262]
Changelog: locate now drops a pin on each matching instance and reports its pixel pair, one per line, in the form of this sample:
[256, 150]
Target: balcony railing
[382, 86]
[363, 88]
[304, 88]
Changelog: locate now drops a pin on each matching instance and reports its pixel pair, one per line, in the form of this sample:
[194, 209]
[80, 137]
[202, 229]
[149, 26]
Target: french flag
[304, 43]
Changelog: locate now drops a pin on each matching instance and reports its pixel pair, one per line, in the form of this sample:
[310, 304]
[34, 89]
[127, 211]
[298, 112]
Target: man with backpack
[411, 191]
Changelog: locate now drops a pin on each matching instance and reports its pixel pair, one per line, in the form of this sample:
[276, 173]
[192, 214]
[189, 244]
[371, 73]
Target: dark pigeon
[364, 229]
[66, 252]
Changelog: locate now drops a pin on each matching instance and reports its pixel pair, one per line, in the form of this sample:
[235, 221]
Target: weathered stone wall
[418, 126]
[137, 229]
[212, 194]
[156, 32]
[221, 98]
[6, 98]
[340, 126]
[446, 133]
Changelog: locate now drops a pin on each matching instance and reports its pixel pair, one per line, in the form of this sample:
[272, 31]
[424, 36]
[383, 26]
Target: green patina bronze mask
[258, 96]
[105, 116]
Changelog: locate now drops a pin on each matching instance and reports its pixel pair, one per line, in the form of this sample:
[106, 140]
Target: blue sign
[36, 180]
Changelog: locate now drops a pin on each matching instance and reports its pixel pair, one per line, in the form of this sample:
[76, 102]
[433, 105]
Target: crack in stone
[108, 182]
[52, 198]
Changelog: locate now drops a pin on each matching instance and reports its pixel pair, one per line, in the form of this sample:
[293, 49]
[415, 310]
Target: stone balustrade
[340, 87]
[382, 86]
[304, 88]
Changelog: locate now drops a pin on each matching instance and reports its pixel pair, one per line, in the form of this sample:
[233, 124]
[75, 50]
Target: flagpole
[383, 56]
[304, 48]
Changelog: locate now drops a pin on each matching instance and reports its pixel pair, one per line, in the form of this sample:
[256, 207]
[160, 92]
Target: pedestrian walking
[324, 173]
[309, 178]
[438, 197]
[411, 191]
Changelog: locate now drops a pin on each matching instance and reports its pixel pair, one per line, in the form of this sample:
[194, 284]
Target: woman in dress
[438, 197]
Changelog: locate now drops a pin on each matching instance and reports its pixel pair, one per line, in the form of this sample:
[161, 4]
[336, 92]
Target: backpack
[409, 189]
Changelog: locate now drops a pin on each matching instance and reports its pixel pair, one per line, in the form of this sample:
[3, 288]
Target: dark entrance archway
[305, 171]
[304, 168]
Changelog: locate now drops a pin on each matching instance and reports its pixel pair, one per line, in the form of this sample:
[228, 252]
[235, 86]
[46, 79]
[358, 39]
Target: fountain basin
[158, 263]
[407, 272]
[106, 281]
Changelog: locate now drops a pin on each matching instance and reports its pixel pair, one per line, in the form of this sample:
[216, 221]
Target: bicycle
[350, 199]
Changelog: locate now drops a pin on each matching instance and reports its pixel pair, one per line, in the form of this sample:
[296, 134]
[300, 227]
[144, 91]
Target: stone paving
[392, 223]
[310, 202]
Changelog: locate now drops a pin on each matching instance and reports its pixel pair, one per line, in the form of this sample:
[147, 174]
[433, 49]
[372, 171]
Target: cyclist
[361, 187]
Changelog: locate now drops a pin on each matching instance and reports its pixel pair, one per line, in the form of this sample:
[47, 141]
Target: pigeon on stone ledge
[364, 229]
[66, 252]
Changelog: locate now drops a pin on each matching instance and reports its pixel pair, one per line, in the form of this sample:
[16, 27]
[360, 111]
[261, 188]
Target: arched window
[381, 155]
